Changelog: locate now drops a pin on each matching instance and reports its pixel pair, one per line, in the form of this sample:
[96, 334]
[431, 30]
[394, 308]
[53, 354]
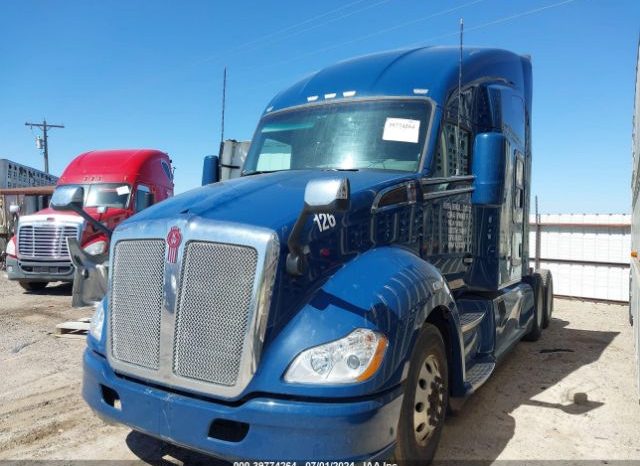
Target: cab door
[446, 198]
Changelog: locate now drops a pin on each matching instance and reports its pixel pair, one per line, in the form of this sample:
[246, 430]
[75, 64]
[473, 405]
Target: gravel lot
[569, 396]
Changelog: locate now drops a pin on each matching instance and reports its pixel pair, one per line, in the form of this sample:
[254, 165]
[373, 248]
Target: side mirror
[210, 169]
[14, 209]
[67, 198]
[327, 195]
[323, 195]
[489, 166]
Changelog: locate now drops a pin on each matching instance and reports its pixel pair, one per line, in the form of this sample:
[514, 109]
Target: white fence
[588, 255]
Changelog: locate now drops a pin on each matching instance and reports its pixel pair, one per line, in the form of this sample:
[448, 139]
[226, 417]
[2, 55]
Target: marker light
[354, 358]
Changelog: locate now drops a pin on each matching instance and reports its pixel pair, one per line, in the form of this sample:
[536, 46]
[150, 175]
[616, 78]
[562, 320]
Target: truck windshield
[106, 195]
[381, 134]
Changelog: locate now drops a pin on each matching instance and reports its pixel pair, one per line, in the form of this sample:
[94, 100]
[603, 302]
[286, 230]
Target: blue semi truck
[364, 275]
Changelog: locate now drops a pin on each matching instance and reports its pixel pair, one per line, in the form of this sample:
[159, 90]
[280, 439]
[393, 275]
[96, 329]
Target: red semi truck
[117, 184]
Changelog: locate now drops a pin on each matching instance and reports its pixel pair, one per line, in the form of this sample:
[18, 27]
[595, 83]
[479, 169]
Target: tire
[630, 299]
[535, 332]
[426, 397]
[33, 286]
[547, 290]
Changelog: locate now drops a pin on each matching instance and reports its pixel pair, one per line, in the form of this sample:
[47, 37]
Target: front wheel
[426, 397]
[33, 286]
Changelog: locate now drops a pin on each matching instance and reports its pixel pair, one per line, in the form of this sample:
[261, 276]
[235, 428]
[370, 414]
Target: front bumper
[278, 429]
[35, 271]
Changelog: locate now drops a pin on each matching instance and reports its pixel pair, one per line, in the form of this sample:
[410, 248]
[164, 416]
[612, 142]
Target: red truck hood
[44, 214]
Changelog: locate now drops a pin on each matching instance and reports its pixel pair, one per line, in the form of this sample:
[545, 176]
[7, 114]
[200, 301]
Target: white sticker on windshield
[122, 190]
[401, 130]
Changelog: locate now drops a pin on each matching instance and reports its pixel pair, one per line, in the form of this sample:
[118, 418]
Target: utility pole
[224, 103]
[44, 126]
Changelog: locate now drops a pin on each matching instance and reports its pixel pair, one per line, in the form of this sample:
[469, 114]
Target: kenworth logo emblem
[174, 238]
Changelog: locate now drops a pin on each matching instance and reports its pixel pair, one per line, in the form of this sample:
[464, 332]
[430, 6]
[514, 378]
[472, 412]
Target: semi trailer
[16, 175]
[116, 184]
[362, 277]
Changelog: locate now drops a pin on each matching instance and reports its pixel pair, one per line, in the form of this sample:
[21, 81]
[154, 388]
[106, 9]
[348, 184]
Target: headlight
[97, 321]
[354, 358]
[95, 248]
[11, 248]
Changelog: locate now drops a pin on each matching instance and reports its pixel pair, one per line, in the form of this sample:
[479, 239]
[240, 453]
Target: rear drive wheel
[547, 290]
[426, 397]
[630, 299]
[33, 286]
[538, 308]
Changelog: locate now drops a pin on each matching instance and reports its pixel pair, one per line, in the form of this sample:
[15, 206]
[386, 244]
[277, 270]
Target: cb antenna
[459, 142]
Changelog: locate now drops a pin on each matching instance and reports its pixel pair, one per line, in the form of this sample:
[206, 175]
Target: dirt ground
[569, 396]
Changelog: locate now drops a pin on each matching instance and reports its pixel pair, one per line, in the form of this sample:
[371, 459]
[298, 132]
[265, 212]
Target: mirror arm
[97, 225]
[296, 264]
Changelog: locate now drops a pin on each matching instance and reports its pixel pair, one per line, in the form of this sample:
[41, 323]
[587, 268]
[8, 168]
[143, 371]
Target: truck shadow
[58, 289]
[485, 424]
[159, 453]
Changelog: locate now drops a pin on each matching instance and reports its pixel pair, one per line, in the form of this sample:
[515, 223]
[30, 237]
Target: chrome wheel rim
[428, 405]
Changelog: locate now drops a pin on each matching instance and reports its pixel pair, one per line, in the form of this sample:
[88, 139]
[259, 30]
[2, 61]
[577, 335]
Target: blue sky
[148, 74]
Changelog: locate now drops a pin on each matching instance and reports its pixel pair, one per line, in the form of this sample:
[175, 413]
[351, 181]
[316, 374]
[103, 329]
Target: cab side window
[453, 154]
[518, 202]
[144, 198]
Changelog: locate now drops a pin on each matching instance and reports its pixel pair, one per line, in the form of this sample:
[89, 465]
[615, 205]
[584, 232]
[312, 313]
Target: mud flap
[91, 275]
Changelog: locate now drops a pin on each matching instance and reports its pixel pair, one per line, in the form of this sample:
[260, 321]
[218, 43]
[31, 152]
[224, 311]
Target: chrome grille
[197, 323]
[136, 302]
[45, 240]
[213, 312]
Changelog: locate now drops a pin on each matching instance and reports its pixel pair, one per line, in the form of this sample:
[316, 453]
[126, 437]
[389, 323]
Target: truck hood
[48, 215]
[70, 216]
[272, 200]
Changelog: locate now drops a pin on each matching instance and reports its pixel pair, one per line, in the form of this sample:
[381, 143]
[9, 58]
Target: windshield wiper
[259, 172]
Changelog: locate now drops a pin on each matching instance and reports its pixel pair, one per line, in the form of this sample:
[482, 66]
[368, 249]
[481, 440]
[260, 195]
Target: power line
[260, 41]
[519, 15]
[504, 19]
[44, 126]
[373, 34]
[295, 25]
[422, 42]
[331, 20]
